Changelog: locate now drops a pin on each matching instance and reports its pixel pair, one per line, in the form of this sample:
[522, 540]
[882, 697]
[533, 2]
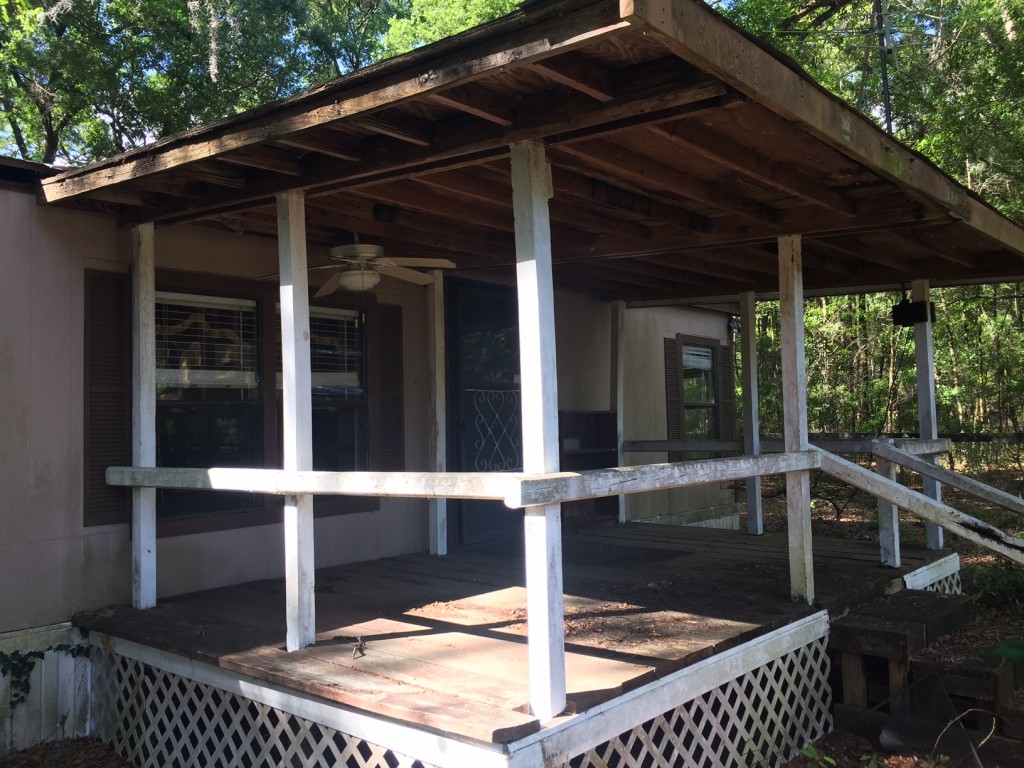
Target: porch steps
[879, 646]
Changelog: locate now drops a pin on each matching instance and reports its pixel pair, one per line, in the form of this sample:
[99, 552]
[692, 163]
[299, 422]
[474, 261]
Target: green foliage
[954, 75]
[430, 20]
[83, 79]
[820, 760]
[17, 668]
[1000, 583]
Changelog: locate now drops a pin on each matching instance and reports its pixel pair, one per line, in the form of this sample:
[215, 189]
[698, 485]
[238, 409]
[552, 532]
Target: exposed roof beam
[575, 71]
[702, 37]
[366, 92]
[464, 141]
[325, 142]
[399, 125]
[476, 100]
[746, 160]
[624, 161]
[266, 159]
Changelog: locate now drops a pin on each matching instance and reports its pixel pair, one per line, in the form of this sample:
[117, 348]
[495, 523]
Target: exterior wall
[583, 344]
[55, 566]
[645, 412]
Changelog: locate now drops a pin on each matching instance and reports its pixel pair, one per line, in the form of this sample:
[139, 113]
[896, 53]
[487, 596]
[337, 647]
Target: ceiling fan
[359, 267]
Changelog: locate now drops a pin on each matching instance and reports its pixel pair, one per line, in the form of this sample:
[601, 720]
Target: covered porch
[642, 154]
[432, 649]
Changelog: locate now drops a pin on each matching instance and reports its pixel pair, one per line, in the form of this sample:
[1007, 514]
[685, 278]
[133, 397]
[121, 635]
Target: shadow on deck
[441, 642]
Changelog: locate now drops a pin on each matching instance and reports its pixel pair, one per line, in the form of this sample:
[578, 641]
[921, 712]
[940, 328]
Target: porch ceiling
[680, 150]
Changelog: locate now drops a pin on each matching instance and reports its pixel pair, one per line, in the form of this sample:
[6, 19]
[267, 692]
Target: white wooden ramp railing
[953, 520]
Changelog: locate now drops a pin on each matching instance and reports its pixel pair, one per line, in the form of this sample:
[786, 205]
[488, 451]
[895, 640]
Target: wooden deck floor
[445, 637]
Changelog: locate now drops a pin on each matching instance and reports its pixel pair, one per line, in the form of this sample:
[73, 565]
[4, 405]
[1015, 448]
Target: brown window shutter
[673, 394]
[387, 424]
[726, 393]
[107, 395]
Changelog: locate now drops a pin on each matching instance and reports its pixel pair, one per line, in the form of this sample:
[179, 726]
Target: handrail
[514, 488]
[920, 446]
[948, 477]
[953, 520]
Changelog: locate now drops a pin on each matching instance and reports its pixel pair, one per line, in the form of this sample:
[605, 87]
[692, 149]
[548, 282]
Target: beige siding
[645, 416]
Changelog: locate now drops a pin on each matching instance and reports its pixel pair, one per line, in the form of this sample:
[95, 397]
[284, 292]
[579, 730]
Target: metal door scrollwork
[496, 421]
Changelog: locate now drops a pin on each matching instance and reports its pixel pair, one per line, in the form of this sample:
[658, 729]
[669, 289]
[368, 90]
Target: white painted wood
[436, 335]
[751, 407]
[53, 704]
[929, 574]
[430, 747]
[926, 508]
[794, 404]
[143, 413]
[888, 519]
[514, 488]
[297, 417]
[425, 485]
[618, 398]
[771, 445]
[927, 418]
[560, 742]
[948, 477]
[531, 190]
[595, 483]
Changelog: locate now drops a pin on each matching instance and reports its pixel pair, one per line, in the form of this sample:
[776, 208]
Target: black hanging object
[908, 313]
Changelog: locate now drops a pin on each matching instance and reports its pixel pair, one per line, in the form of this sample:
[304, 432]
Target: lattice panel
[161, 720]
[759, 719]
[947, 585]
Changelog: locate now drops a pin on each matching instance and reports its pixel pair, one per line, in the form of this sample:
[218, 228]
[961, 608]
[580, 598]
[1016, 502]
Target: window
[698, 392]
[219, 390]
[209, 412]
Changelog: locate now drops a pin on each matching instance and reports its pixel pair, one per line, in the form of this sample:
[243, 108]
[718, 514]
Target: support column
[618, 382]
[531, 190]
[888, 518]
[143, 413]
[794, 403]
[751, 407]
[928, 426]
[438, 409]
[297, 417]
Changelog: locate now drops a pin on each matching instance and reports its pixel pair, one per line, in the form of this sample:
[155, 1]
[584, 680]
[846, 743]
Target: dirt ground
[77, 753]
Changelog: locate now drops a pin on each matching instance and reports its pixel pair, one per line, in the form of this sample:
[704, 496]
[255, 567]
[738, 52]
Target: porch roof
[680, 150]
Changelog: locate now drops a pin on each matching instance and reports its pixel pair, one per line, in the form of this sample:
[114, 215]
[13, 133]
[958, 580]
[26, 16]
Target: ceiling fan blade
[329, 287]
[404, 261]
[409, 275]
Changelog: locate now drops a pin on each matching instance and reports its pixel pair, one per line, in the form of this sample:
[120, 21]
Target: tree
[430, 20]
[83, 79]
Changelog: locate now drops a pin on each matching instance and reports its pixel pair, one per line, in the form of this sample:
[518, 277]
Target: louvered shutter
[673, 394]
[726, 393]
[387, 424]
[107, 395]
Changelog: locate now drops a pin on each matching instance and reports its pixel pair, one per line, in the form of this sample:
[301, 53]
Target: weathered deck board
[446, 637]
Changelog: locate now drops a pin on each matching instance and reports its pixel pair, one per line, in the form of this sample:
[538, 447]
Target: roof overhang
[681, 149]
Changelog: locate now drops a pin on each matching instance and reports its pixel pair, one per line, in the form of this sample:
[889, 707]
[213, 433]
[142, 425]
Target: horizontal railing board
[515, 489]
[914, 446]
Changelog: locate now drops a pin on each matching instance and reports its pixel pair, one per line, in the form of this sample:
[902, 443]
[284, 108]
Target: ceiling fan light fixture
[358, 279]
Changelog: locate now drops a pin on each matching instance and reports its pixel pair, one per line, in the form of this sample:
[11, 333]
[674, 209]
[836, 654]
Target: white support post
[531, 190]
[618, 398]
[927, 419]
[438, 410]
[794, 403]
[297, 417]
[888, 517]
[143, 413]
[751, 407]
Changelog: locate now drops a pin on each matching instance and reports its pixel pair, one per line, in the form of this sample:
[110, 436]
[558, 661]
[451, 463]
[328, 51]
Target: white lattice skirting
[758, 719]
[754, 705]
[157, 718]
